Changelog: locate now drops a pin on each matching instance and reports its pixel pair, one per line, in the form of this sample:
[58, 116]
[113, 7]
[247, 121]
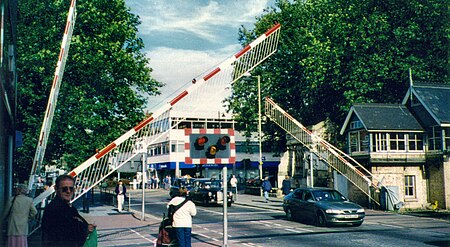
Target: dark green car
[323, 207]
[207, 191]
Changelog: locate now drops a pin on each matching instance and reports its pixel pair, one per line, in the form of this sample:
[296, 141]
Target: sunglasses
[67, 189]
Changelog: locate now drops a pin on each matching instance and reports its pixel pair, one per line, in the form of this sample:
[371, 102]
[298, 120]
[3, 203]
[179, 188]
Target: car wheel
[321, 221]
[289, 214]
[356, 224]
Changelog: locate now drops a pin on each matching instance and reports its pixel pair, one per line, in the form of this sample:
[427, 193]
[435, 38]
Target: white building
[167, 156]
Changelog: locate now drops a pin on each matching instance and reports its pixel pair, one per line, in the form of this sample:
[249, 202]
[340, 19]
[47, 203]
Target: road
[252, 226]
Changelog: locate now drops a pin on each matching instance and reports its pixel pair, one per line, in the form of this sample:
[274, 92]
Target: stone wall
[395, 176]
[446, 172]
[436, 184]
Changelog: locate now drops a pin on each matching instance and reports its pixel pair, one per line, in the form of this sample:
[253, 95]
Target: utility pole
[144, 164]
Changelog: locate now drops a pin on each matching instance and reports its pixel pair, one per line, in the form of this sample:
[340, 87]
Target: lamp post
[259, 128]
[260, 132]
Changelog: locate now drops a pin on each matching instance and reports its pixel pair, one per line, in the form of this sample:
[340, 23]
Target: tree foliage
[333, 54]
[106, 76]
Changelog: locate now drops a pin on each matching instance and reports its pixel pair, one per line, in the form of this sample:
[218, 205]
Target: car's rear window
[213, 184]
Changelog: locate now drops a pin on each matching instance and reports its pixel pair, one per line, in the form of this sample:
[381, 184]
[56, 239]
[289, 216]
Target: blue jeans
[266, 195]
[183, 236]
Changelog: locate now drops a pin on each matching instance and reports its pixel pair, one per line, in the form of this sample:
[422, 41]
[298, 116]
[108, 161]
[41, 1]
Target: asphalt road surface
[252, 226]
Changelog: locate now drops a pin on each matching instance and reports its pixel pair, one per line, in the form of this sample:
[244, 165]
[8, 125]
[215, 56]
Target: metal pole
[9, 173]
[311, 169]
[144, 161]
[260, 132]
[225, 207]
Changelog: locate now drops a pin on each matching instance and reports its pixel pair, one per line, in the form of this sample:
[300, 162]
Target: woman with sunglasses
[62, 225]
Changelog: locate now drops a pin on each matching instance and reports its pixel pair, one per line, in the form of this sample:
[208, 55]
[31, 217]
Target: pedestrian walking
[121, 191]
[19, 211]
[233, 183]
[267, 187]
[182, 218]
[62, 225]
[286, 186]
[166, 182]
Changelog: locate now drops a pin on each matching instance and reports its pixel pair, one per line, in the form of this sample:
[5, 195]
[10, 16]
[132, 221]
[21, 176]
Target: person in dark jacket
[286, 186]
[62, 225]
[267, 187]
[121, 192]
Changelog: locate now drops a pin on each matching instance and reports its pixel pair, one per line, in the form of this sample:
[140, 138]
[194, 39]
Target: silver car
[323, 207]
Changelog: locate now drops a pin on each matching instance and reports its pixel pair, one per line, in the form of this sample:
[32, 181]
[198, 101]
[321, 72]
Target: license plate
[351, 216]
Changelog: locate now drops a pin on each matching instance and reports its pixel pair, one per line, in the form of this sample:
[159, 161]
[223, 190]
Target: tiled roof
[436, 99]
[386, 117]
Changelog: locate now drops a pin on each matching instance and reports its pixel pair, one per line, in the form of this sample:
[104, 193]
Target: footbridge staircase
[338, 160]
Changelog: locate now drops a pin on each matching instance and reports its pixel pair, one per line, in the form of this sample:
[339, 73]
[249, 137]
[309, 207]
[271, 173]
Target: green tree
[105, 80]
[333, 54]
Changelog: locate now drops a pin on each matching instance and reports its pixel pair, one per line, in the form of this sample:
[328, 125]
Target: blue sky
[183, 39]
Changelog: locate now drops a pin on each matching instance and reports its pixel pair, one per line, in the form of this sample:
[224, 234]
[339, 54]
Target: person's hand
[91, 227]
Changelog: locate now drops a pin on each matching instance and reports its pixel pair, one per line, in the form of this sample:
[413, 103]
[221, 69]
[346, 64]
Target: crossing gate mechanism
[135, 142]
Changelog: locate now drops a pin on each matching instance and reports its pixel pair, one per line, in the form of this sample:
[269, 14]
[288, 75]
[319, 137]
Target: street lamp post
[247, 74]
[260, 132]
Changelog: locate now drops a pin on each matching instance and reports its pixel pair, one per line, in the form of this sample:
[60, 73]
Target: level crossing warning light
[209, 146]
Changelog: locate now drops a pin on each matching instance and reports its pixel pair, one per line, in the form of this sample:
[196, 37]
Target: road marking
[140, 235]
[250, 213]
[262, 222]
[261, 209]
[203, 235]
[394, 226]
[298, 230]
[210, 211]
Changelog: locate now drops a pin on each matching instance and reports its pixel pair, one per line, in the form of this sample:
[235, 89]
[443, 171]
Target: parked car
[209, 191]
[322, 206]
[180, 182]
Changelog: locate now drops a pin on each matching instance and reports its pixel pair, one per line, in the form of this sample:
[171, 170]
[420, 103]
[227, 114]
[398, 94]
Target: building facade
[8, 96]
[167, 156]
[405, 146]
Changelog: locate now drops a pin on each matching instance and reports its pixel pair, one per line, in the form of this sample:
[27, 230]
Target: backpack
[166, 232]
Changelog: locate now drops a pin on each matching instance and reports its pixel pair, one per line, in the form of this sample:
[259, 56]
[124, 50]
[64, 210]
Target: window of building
[435, 138]
[379, 142]
[359, 141]
[415, 141]
[213, 125]
[198, 125]
[184, 125]
[397, 142]
[356, 125]
[410, 186]
[447, 139]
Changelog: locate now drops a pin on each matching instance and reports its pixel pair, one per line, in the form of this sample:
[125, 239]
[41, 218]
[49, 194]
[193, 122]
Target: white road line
[262, 209]
[298, 230]
[203, 235]
[140, 235]
[210, 211]
[244, 213]
[280, 226]
[394, 226]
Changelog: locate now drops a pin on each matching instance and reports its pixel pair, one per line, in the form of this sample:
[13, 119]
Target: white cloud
[184, 39]
[177, 67]
[202, 18]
